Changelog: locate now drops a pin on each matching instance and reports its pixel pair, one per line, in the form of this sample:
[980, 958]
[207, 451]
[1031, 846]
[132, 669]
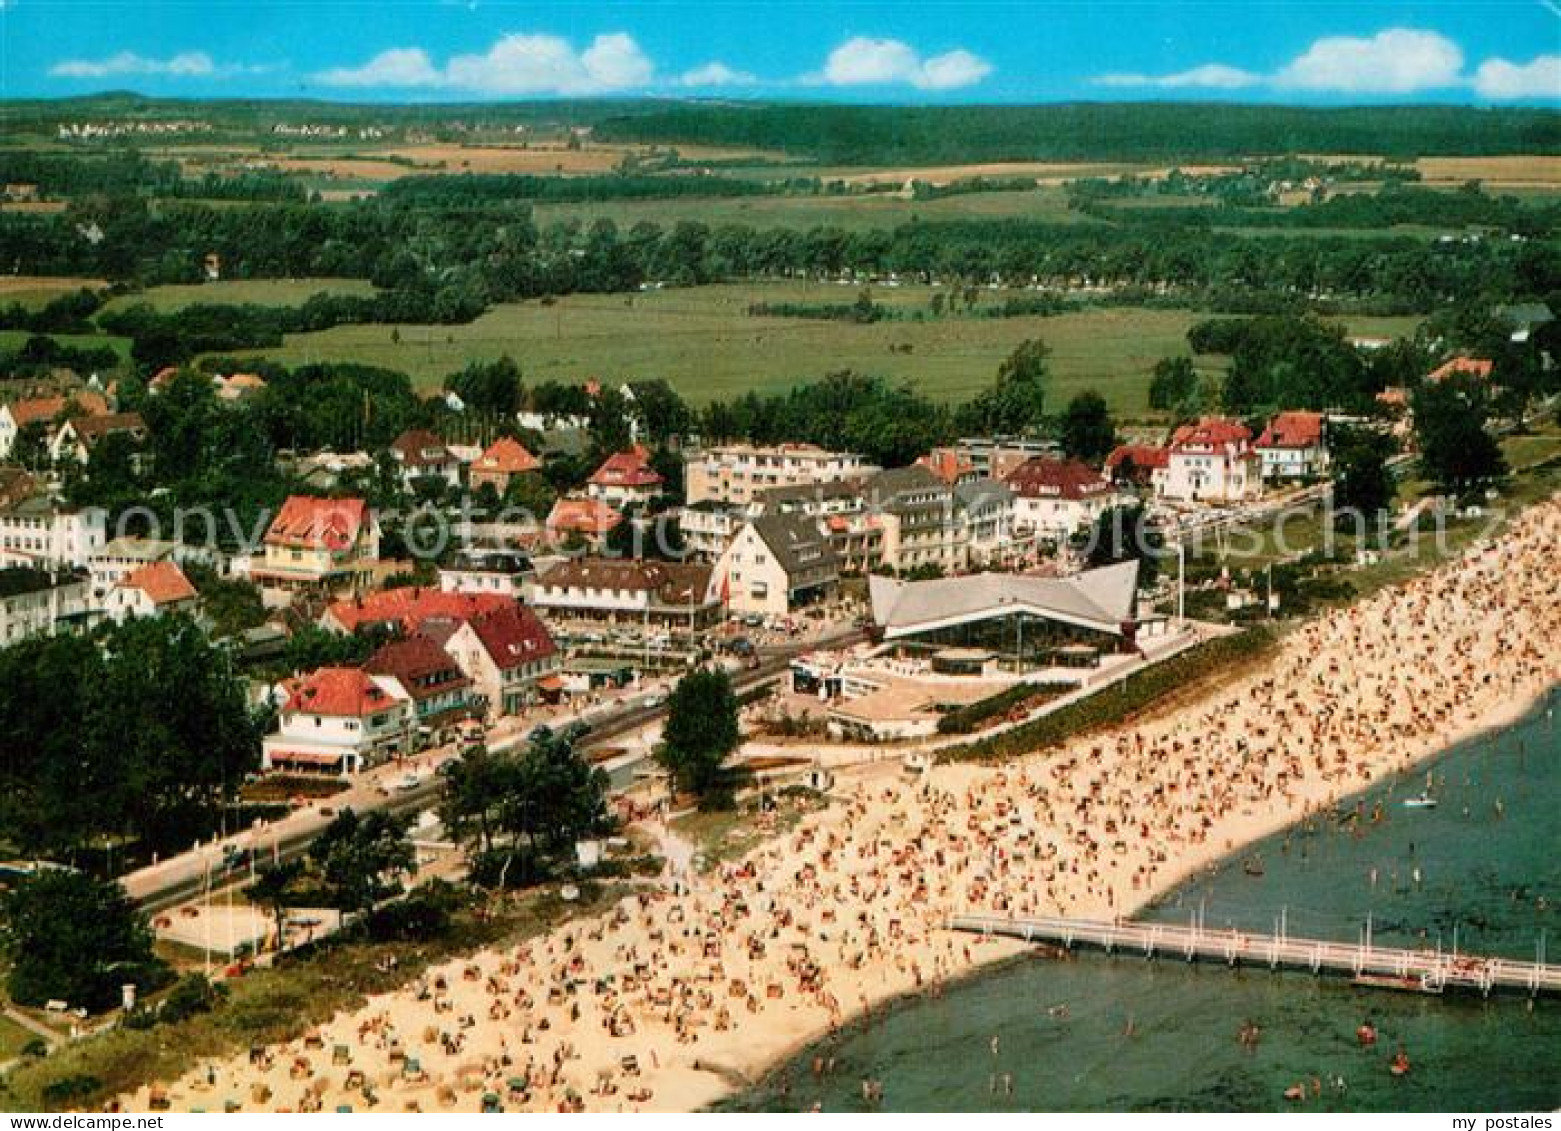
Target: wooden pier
[1426, 971]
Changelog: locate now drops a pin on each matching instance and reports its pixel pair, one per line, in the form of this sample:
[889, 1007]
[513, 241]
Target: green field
[263, 292]
[853, 213]
[703, 342]
[15, 339]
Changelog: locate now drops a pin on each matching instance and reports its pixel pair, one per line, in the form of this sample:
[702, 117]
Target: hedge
[1114, 704]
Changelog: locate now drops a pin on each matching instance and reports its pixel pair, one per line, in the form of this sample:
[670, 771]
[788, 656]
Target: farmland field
[853, 213]
[14, 340]
[265, 292]
[36, 290]
[706, 345]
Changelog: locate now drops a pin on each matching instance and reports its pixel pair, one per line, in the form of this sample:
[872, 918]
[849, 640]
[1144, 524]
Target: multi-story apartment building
[36, 602]
[915, 510]
[735, 473]
[44, 532]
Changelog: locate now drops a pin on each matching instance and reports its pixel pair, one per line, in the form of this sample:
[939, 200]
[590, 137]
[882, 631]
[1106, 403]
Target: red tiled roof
[422, 667]
[310, 523]
[583, 516]
[1293, 430]
[507, 456]
[1479, 367]
[1211, 432]
[163, 582]
[420, 448]
[1042, 477]
[409, 607]
[627, 469]
[338, 692]
[26, 412]
[1146, 457]
[90, 429]
[513, 635]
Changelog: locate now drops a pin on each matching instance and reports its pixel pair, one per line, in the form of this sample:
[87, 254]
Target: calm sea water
[1119, 1033]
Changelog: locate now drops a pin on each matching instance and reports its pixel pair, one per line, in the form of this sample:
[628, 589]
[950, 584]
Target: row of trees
[461, 255]
[139, 735]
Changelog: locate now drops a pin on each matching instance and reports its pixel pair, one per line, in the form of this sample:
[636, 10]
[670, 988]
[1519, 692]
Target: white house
[153, 590]
[501, 572]
[76, 438]
[423, 455]
[1293, 446]
[17, 415]
[337, 721]
[1055, 498]
[1213, 461]
[508, 655]
[625, 479]
[776, 563]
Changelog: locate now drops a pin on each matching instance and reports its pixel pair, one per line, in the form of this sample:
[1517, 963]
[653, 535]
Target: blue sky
[1322, 52]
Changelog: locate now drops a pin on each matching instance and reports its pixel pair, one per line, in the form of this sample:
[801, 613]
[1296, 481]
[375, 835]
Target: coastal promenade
[1424, 971]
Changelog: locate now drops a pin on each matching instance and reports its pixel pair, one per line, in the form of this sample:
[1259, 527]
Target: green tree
[274, 889]
[1362, 484]
[73, 938]
[1088, 432]
[230, 604]
[362, 860]
[1174, 383]
[701, 731]
[1457, 452]
[489, 388]
[1123, 534]
[1016, 403]
[520, 812]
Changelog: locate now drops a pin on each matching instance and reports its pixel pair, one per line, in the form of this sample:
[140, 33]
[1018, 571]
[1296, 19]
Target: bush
[1112, 705]
[424, 913]
[970, 717]
[192, 994]
[69, 1089]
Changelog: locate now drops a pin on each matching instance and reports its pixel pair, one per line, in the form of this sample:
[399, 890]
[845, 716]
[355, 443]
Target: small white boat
[1423, 801]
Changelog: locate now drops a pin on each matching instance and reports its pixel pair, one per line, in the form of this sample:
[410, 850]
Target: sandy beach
[677, 995]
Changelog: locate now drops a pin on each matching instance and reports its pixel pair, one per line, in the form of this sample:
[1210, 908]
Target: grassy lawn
[265, 292]
[706, 345]
[733, 833]
[13, 1038]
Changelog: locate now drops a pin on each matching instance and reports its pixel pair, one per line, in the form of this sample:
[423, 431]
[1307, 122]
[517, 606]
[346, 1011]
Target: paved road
[181, 878]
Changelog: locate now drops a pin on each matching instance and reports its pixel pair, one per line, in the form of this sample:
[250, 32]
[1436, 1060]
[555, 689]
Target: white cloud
[863, 61]
[1213, 76]
[515, 64]
[188, 64]
[400, 66]
[1395, 61]
[1498, 79]
[716, 74]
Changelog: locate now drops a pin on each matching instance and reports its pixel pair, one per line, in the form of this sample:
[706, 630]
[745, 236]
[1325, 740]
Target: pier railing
[1430, 971]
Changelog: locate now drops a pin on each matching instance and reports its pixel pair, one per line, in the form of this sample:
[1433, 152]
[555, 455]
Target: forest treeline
[887, 135]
